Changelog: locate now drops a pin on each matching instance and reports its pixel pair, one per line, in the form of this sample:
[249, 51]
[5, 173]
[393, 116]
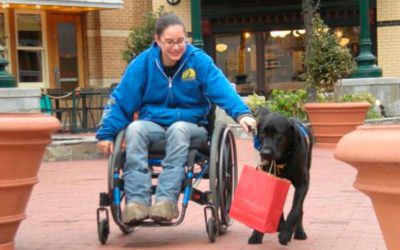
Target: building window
[236, 56]
[4, 51]
[349, 37]
[283, 57]
[283, 53]
[30, 47]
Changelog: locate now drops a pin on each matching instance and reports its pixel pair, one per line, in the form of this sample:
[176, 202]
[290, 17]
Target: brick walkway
[62, 213]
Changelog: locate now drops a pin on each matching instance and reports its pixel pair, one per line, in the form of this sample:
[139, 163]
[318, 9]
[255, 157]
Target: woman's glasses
[169, 43]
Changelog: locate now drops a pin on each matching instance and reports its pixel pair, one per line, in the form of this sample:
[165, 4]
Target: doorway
[66, 53]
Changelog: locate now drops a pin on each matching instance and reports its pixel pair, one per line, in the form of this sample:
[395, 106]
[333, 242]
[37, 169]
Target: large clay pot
[23, 139]
[330, 121]
[374, 151]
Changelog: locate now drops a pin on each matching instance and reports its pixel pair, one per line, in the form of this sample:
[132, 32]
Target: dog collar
[274, 168]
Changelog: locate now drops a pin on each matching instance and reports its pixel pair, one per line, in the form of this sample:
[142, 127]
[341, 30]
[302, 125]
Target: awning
[109, 4]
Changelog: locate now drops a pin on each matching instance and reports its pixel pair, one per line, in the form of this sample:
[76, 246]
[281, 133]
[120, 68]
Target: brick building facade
[388, 36]
[75, 44]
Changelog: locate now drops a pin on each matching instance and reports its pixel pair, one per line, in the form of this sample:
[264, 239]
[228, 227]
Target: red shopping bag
[258, 200]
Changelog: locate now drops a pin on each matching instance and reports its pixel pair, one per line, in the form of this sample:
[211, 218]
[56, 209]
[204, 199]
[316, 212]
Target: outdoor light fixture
[247, 35]
[339, 33]
[173, 2]
[344, 41]
[280, 33]
[297, 33]
[221, 47]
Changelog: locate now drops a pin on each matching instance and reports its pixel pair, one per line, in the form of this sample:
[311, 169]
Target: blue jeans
[137, 176]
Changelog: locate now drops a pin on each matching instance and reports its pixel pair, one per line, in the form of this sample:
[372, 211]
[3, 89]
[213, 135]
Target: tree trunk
[308, 13]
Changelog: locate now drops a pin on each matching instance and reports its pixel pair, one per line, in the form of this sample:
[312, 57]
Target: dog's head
[276, 134]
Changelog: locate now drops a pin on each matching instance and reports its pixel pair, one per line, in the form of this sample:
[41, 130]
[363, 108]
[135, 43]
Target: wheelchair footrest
[200, 197]
[104, 200]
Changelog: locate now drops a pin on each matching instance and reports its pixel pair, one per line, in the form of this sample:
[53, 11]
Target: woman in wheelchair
[171, 85]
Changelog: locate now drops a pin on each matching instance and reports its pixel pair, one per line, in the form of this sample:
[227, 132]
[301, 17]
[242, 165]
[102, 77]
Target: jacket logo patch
[189, 74]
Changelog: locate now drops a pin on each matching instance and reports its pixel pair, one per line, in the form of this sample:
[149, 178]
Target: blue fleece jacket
[186, 96]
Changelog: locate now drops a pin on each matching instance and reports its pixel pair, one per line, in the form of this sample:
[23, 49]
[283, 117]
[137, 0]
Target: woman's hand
[247, 123]
[105, 147]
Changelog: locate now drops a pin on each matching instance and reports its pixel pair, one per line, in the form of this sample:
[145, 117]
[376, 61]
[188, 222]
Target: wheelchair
[214, 159]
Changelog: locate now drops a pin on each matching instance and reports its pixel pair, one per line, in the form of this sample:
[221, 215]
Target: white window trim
[7, 33]
[43, 48]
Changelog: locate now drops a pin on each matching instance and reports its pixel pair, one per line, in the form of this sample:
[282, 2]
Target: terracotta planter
[374, 151]
[23, 139]
[330, 121]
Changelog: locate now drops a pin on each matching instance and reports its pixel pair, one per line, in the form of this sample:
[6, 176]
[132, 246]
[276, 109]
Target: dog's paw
[300, 235]
[284, 238]
[256, 238]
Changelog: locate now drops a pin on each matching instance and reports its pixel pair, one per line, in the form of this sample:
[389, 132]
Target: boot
[134, 213]
[164, 211]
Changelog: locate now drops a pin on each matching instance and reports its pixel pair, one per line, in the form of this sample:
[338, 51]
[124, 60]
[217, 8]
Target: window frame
[43, 49]
[7, 48]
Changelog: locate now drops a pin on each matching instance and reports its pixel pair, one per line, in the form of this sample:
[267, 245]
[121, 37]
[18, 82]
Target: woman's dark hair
[167, 20]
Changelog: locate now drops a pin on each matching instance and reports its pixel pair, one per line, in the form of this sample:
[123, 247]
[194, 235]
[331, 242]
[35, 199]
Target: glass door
[67, 62]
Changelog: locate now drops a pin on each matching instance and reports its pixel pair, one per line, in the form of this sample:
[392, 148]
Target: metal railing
[79, 110]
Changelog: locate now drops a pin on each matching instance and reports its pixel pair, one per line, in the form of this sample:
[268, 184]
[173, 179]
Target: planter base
[7, 246]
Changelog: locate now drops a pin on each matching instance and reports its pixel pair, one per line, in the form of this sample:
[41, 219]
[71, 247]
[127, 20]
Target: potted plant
[23, 139]
[326, 64]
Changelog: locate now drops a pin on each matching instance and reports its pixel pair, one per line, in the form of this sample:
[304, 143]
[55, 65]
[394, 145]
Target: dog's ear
[261, 112]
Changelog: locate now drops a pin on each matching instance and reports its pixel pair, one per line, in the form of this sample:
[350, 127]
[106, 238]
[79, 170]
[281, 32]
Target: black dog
[289, 143]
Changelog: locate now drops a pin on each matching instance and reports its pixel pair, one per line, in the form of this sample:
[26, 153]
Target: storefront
[260, 44]
[44, 41]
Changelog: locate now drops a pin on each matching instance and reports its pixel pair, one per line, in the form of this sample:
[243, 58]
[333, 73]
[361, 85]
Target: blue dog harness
[304, 133]
[256, 143]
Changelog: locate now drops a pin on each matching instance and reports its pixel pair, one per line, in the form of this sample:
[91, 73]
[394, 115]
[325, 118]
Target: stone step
[72, 147]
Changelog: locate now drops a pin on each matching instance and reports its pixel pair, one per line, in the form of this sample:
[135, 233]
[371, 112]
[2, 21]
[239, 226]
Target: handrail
[60, 97]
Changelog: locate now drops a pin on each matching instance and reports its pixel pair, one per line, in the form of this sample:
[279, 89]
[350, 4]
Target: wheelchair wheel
[115, 160]
[115, 165]
[211, 229]
[223, 173]
[227, 176]
[103, 230]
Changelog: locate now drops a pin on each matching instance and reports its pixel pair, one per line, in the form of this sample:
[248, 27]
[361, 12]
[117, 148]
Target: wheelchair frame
[220, 167]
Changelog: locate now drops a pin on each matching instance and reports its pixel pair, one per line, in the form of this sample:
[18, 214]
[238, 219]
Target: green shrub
[326, 62]
[141, 37]
[350, 97]
[288, 103]
[255, 101]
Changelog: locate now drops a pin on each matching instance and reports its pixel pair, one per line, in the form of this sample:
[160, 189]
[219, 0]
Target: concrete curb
[70, 148]
[83, 147]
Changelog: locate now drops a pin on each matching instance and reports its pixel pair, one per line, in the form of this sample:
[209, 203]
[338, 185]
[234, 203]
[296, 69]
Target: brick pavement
[61, 213]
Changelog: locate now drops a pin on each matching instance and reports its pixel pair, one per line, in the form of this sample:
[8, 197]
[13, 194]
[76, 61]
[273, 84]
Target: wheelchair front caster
[211, 229]
[222, 229]
[103, 228]
[126, 229]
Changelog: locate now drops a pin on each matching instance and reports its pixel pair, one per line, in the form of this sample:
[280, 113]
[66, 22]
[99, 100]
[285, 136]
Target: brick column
[182, 10]
[388, 36]
[107, 31]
